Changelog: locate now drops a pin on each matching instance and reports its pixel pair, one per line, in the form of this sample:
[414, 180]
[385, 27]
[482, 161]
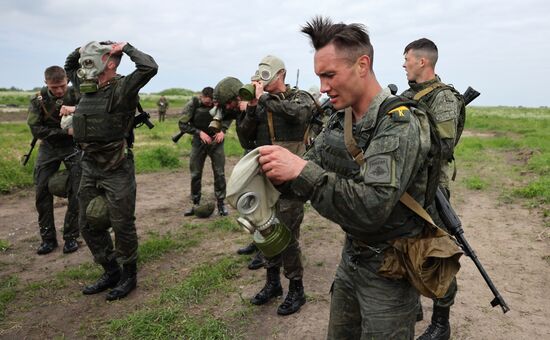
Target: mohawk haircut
[423, 48]
[351, 39]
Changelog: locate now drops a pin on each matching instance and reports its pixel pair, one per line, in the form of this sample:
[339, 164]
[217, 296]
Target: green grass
[502, 133]
[155, 246]
[475, 183]
[171, 315]
[7, 293]
[225, 224]
[4, 245]
[86, 271]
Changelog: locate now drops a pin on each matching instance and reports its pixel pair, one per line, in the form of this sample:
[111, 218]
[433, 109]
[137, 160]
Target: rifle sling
[270, 125]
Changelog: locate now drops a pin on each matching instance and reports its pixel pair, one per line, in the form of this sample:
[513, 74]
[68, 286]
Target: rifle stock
[454, 226]
[27, 156]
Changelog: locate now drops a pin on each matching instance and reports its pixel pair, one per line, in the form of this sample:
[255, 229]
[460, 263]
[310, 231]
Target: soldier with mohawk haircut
[366, 158]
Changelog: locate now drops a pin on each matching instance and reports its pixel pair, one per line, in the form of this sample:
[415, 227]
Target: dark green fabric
[216, 152]
[108, 168]
[47, 163]
[365, 305]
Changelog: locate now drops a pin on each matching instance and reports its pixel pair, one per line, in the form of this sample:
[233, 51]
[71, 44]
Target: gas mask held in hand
[92, 65]
[255, 198]
[215, 125]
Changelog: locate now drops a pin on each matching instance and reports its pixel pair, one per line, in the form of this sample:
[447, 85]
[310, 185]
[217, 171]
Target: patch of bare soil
[509, 239]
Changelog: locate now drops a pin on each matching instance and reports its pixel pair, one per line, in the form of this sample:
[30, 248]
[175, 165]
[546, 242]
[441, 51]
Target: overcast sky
[501, 48]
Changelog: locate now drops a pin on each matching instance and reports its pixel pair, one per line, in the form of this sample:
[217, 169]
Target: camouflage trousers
[119, 187]
[162, 116]
[365, 305]
[199, 151]
[47, 163]
[291, 214]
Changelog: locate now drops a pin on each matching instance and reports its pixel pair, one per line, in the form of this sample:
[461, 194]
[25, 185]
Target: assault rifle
[469, 95]
[454, 226]
[142, 118]
[27, 156]
[177, 136]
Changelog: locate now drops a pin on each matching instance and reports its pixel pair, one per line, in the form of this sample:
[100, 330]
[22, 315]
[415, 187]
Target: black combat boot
[191, 212]
[109, 279]
[47, 247]
[271, 289]
[294, 299]
[248, 249]
[222, 211]
[70, 246]
[127, 283]
[257, 262]
[439, 329]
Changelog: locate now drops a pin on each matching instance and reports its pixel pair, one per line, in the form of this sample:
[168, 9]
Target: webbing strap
[270, 125]
[351, 143]
[357, 154]
[427, 90]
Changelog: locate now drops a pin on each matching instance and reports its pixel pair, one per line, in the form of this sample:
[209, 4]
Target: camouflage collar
[369, 119]
[420, 86]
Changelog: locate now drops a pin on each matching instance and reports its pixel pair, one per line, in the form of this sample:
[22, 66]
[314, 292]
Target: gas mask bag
[255, 198]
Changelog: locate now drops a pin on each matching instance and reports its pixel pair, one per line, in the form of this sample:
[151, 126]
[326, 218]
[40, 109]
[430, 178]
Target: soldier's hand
[279, 164]
[116, 48]
[218, 137]
[205, 138]
[67, 110]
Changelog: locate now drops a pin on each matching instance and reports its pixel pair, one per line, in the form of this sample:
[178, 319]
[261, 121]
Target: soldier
[103, 122]
[280, 117]
[56, 144]
[360, 192]
[441, 100]
[195, 120]
[162, 105]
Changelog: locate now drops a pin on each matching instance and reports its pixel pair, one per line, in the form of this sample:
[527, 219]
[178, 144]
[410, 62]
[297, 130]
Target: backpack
[427, 96]
[433, 160]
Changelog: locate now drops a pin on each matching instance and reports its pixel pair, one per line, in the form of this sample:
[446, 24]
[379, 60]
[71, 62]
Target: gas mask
[92, 65]
[255, 199]
[216, 124]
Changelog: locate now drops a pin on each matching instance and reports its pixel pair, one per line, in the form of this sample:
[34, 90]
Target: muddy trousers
[47, 163]
[365, 305]
[199, 151]
[119, 187]
[291, 214]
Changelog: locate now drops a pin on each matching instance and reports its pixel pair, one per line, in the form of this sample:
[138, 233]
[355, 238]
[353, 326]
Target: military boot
[109, 279]
[257, 262]
[248, 249]
[127, 283]
[294, 299]
[191, 212]
[221, 208]
[47, 247]
[271, 289]
[439, 329]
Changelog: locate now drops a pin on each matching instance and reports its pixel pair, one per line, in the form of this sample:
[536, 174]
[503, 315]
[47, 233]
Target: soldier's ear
[364, 64]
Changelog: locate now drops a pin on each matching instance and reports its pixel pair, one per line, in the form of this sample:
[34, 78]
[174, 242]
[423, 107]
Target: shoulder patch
[400, 114]
[378, 169]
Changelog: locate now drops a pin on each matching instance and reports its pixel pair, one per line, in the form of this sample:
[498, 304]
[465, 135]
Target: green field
[493, 132]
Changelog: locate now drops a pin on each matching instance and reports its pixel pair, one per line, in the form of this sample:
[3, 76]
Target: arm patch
[400, 114]
[378, 169]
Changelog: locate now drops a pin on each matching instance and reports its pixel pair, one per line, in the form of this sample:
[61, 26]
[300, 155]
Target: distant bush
[177, 92]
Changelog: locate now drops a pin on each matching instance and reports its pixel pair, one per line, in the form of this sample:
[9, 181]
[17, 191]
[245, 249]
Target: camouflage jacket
[445, 107]
[196, 117]
[44, 119]
[365, 202]
[291, 113]
[123, 92]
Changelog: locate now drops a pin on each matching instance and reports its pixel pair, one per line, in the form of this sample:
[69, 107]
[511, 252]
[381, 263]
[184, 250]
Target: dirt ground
[510, 240]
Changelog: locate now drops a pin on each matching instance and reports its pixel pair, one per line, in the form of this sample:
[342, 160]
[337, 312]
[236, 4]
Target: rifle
[469, 95]
[454, 226]
[177, 136]
[27, 156]
[142, 118]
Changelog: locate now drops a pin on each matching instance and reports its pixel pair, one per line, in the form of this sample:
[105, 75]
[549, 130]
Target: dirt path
[510, 240]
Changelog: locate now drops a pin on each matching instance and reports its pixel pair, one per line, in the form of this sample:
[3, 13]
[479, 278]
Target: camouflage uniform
[364, 201]
[162, 104]
[291, 112]
[108, 166]
[445, 107]
[55, 146]
[196, 117]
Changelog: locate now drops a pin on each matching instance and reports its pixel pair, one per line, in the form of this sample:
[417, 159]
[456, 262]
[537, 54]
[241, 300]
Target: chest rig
[98, 118]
